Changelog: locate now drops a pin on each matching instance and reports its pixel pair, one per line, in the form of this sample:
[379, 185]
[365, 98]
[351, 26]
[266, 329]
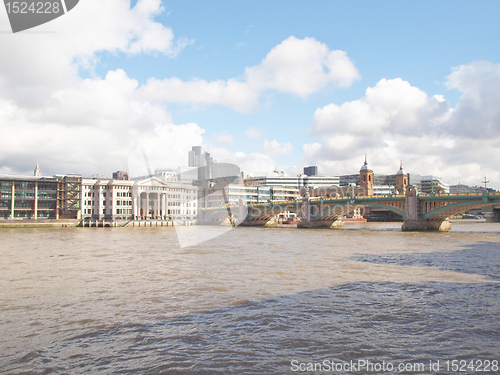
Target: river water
[251, 301]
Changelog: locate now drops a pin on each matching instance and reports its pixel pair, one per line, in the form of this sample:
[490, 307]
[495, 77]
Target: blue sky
[420, 84]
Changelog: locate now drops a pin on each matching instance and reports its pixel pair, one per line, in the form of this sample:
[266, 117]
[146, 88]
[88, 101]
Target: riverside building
[147, 199]
[39, 197]
[299, 181]
[28, 197]
[96, 199]
[234, 194]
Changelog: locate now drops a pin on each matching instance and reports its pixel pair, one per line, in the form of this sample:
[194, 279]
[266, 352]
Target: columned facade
[150, 203]
[149, 199]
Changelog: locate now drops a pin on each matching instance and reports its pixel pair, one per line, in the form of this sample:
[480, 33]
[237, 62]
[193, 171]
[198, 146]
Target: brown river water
[250, 301]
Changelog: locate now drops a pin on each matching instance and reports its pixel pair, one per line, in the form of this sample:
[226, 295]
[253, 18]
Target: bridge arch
[451, 209]
[271, 211]
[353, 205]
[262, 215]
[219, 215]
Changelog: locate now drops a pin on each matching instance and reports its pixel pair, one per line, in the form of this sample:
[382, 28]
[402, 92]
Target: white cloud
[96, 126]
[34, 64]
[395, 120]
[274, 147]
[232, 93]
[246, 162]
[302, 67]
[392, 105]
[165, 146]
[296, 66]
[48, 113]
[93, 102]
[477, 114]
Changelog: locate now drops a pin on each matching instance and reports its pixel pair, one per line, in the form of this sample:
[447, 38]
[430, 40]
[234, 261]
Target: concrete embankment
[52, 223]
[42, 223]
[129, 223]
[133, 223]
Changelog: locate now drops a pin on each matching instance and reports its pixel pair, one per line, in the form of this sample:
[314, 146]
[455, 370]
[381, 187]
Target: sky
[130, 85]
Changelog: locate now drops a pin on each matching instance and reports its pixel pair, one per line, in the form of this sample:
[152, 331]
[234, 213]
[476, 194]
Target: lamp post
[485, 182]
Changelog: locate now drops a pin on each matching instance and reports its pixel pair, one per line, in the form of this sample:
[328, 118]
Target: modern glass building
[37, 197]
[28, 197]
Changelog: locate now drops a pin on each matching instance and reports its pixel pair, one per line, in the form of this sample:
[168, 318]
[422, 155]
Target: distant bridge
[419, 211]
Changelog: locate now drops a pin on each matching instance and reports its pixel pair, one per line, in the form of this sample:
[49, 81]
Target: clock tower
[366, 179]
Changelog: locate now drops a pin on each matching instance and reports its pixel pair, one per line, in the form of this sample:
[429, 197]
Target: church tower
[37, 172]
[401, 180]
[366, 179]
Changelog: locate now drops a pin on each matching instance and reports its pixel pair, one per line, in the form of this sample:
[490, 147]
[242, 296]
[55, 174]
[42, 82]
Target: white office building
[147, 199]
[299, 181]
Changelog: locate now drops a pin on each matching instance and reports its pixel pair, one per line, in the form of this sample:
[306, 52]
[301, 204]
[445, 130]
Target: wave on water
[482, 259]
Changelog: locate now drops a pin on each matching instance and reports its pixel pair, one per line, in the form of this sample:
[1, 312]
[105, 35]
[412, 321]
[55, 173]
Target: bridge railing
[371, 197]
[458, 194]
[360, 197]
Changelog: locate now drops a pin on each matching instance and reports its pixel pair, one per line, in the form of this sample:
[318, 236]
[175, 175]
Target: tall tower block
[366, 179]
[401, 180]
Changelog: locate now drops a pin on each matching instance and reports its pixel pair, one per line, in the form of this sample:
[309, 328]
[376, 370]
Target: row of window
[29, 204]
[28, 195]
[129, 203]
[129, 194]
[118, 203]
[93, 187]
[124, 203]
[24, 185]
[126, 211]
[119, 194]
[28, 215]
[180, 196]
[119, 211]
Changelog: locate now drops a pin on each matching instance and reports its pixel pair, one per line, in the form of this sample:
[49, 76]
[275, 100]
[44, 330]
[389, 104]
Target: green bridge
[418, 211]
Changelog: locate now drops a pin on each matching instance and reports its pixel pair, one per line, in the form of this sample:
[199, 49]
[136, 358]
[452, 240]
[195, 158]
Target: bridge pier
[307, 223]
[423, 225]
[258, 223]
[412, 220]
[495, 215]
[310, 224]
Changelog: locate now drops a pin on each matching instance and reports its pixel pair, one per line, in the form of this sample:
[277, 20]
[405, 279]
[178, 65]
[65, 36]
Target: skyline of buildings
[311, 176]
[177, 195]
